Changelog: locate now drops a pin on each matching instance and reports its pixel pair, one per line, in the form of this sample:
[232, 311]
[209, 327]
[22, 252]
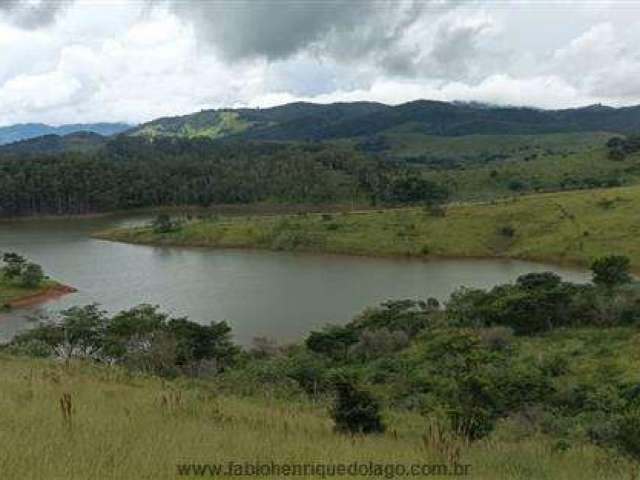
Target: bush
[13, 265]
[163, 224]
[141, 338]
[355, 411]
[263, 347]
[611, 271]
[537, 302]
[497, 338]
[376, 343]
[621, 433]
[409, 316]
[333, 341]
[507, 232]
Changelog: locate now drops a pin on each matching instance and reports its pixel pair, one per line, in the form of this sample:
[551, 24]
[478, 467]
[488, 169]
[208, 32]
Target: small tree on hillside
[611, 271]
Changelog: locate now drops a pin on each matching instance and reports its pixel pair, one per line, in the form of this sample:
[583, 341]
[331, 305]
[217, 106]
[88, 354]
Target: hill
[51, 144]
[308, 121]
[24, 131]
[127, 426]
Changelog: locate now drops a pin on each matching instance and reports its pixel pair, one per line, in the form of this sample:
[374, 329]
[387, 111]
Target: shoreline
[566, 229]
[50, 293]
[572, 264]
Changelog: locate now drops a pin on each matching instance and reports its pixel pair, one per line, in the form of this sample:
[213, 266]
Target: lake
[273, 294]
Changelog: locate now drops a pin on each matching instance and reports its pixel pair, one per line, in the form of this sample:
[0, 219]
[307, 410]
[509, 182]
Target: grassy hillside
[293, 121]
[78, 421]
[567, 227]
[490, 166]
[210, 124]
[487, 148]
[550, 170]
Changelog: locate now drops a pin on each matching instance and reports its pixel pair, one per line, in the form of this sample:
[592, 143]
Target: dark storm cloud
[345, 30]
[274, 29]
[32, 15]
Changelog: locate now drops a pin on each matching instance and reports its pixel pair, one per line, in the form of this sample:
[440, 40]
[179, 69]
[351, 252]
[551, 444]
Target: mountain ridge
[306, 121]
[25, 131]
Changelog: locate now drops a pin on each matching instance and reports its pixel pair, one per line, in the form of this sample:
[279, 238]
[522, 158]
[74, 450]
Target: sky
[69, 61]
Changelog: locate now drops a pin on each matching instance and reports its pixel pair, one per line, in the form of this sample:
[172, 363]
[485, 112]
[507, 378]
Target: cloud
[268, 28]
[602, 61]
[345, 31]
[456, 45]
[32, 15]
[543, 91]
[87, 61]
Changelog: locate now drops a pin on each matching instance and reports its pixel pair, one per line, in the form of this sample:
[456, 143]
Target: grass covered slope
[79, 421]
[568, 227]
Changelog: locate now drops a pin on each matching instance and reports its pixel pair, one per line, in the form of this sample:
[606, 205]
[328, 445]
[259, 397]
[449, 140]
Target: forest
[133, 172]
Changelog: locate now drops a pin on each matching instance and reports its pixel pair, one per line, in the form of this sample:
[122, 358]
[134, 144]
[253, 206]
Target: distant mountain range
[25, 131]
[308, 121]
[73, 142]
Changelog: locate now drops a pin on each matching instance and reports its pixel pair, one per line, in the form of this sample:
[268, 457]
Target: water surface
[279, 295]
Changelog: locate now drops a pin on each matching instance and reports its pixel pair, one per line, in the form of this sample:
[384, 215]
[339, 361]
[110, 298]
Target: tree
[13, 265]
[333, 341]
[611, 271]
[32, 275]
[355, 410]
[197, 342]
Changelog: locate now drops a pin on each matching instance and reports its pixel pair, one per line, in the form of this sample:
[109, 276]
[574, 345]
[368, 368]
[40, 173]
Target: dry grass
[80, 421]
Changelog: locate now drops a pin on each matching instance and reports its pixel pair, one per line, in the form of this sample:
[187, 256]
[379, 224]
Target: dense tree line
[132, 172]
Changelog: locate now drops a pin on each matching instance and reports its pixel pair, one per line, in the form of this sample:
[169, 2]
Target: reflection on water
[271, 294]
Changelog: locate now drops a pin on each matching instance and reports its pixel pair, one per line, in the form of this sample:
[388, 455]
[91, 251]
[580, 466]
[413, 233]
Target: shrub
[141, 338]
[621, 433]
[376, 343]
[409, 316]
[333, 341]
[507, 231]
[263, 347]
[611, 271]
[32, 275]
[355, 411]
[13, 265]
[308, 370]
[163, 224]
[496, 338]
